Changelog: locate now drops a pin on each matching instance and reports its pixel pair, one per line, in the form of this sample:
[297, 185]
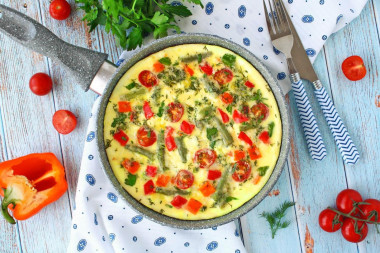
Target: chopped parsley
[119, 120]
[263, 170]
[130, 180]
[165, 61]
[211, 132]
[229, 60]
[270, 128]
[131, 85]
[229, 108]
[229, 198]
[161, 109]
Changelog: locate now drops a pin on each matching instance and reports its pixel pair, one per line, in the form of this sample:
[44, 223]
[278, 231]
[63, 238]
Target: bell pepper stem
[4, 206]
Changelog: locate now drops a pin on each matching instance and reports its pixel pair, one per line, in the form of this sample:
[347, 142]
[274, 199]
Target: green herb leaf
[229, 108]
[179, 10]
[165, 61]
[211, 132]
[120, 120]
[131, 85]
[200, 58]
[229, 60]
[274, 218]
[263, 170]
[161, 109]
[130, 180]
[229, 198]
[135, 38]
[159, 19]
[270, 128]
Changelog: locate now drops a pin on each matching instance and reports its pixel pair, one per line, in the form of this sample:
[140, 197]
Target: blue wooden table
[25, 127]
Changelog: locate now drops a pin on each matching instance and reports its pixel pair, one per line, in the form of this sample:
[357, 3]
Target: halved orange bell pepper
[30, 183]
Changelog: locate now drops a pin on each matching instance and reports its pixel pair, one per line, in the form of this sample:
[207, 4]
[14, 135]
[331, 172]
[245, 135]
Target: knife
[339, 131]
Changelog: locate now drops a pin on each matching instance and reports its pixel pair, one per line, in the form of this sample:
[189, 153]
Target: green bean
[249, 125]
[226, 136]
[141, 151]
[192, 58]
[171, 192]
[161, 150]
[133, 94]
[182, 150]
[156, 94]
[210, 87]
[220, 187]
[205, 112]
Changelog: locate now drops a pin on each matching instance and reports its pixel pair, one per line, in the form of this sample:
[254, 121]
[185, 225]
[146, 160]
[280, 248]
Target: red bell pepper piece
[254, 152]
[244, 137]
[193, 206]
[151, 171]
[30, 183]
[162, 180]
[121, 137]
[206, 68]
[264, 137]
[124, 106]
[187, 127]
[214, 174]
[207, 189]
[158, 67]
[189, 70]
[227, 98]
[149, 187]
[249, 84]
[225, 117]
[147, 110]
[131, 166]
[169, 139]
[178, 201]
[239, 117]
[239, 155]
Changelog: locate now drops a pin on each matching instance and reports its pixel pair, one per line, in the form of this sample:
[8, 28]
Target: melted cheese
[241, 191]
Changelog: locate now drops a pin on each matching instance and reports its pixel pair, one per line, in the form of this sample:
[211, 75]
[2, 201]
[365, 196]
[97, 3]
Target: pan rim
[175, 40]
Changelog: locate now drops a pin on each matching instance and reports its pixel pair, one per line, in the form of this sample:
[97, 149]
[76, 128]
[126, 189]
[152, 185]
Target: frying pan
[91, 70]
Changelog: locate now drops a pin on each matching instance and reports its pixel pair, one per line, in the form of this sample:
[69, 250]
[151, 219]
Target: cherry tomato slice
[40, 84]
[64, 121]
[169, 139]
[225, 117]
[345, 200]
[124, 106]
[249, 84]
[353, 68]
[187, 127]
[178, 201]
[244, 137]
[214, 174]
[158, 67]
[59, 9]
[148, 79]
[189, 70]
[264, 137]
[206, 68]
[349, 233]
[242, 170]
[223, 76]
[184, 179]
[121, 137]
[151, 171]
[149, 187]
[330, 221]
[147, 110]
[205, 157]
[175, 111]
[131, 166]
[227, 98]
[260, 111]
[373, 209]
[239, 117]
[146, 136]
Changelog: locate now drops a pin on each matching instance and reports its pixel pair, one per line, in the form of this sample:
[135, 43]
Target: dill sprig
[274, 218]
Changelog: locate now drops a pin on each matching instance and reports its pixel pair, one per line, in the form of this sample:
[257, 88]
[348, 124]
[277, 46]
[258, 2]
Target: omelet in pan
[192, 131]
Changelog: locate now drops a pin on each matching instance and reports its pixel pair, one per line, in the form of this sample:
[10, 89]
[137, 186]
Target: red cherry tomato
[206, 68]
[353, 68]
[146, 136]
[205, 157]
[239, 117]
[223, 76]
[350, 234]
[147, 110]
[373, 209]
[178, 201]
[131, 166]
[242, 171]
[330, 221]
[148, 79]
[121, 137]
[169, 139]
[149, 187]
[345, 200]
[225, 117]
[249, 84]
[151, 171]
[59, 9]
[187, 127]
[260, 111]
[184, 179]
[40, 84]
[227, 98]
[175, 111]
[214, 174]
[244, 137]
[264, 137]
[64, 121]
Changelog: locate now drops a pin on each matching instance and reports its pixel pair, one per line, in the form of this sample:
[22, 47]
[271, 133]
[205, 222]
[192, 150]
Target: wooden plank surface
[25, 127]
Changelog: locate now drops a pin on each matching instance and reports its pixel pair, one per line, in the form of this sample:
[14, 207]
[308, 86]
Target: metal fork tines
[282, 39]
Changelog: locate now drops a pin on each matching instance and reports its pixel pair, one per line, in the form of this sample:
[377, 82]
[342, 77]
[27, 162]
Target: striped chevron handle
[342, 138]
[314, 140]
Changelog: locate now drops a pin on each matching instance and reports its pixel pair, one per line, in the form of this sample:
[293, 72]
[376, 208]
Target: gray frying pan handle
[81, 62]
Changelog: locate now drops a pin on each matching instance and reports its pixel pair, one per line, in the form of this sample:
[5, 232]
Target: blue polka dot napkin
[102, 222]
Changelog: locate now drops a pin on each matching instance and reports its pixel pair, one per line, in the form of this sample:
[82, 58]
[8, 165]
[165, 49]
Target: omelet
[192, 131]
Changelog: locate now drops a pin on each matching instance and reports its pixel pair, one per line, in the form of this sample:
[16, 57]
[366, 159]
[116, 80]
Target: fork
[282, 39]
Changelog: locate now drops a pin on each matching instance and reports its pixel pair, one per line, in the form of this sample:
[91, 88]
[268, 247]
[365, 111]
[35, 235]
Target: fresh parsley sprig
[274, 218]
[132, 20]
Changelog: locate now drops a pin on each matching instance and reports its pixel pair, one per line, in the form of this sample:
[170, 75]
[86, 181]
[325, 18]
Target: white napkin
[102, 223]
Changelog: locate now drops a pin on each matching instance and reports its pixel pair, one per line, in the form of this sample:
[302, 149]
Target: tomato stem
[353, 217]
